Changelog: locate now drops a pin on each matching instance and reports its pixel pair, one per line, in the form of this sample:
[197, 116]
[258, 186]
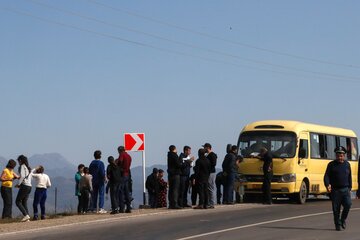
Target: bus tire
[302, 194]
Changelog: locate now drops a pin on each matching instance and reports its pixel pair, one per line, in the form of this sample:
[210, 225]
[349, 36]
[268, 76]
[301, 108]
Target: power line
[222, 39]
[191, 45]
[164, 49]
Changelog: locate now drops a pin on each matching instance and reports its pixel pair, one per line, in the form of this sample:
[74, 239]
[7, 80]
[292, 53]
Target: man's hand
[328, 188]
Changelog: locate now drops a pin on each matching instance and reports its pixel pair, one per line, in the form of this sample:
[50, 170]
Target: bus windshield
[281, 144]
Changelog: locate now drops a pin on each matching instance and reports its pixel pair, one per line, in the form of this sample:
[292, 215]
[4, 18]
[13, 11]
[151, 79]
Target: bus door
[303, 156]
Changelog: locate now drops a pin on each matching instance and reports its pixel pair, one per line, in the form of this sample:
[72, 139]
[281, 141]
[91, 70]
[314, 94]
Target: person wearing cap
[211, 186]
[338, 182]
[229, 171]
[266, 157]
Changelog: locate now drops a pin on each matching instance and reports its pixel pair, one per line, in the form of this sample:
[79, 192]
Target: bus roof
[297, 127]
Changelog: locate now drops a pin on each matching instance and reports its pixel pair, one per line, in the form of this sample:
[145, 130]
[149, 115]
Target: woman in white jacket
[24, 186]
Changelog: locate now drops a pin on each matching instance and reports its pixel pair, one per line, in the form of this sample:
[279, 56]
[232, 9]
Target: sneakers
[25, 219]
[102, 211]
[35, 218]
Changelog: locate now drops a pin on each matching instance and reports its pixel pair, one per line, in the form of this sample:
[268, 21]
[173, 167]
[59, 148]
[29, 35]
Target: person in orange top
[7, 177]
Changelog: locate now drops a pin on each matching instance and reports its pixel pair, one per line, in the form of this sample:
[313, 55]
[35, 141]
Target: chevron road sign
[134, 142]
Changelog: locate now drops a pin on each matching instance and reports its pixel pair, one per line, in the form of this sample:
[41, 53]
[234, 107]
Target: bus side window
[303, 149]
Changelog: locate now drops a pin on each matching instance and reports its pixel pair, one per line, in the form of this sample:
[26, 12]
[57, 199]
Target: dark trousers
[124, 194]
[194, 194]
[79, 207]
[85, 198]
[229, 188]
[340, 197]
[153, 199]
[22, 198]
[218, 193]
[203, 193]
[174, 185]
[6, 194]
[114, 196]
[183, 191]
[266, 187]
[98, 191]
[40, 198]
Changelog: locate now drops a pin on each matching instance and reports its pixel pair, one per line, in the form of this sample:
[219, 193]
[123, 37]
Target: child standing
[7, 177]
[42, 184]
[85, 187]
[78, 176]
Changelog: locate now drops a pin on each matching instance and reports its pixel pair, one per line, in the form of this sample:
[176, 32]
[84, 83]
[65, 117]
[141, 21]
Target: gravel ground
[15, 225]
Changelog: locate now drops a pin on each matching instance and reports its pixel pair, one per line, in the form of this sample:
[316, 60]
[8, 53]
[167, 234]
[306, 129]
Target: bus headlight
[288, 178]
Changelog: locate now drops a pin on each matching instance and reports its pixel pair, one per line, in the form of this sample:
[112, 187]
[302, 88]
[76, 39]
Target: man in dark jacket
[211, 186]
[97, 170]
[266, 157]
[219, 181]
[174, 169]
[113, 174]
[202, 172]
[229, 171]
[186, 164]
[338, 183]
[152, 185]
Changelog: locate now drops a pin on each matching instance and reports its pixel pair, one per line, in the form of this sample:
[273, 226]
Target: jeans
[340, 197]
[211, 189]
[183, 191]
[6, 194]
[174, 185]
[98, 190]
[22, 198]
[124, 194]
[229, 188]
[218, 193]
[40, 197]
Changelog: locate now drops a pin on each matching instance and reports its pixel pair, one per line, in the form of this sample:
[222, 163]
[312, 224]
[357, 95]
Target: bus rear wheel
[301, 196]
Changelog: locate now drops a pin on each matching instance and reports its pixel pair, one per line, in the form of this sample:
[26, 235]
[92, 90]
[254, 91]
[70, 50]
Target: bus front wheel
[302, 195]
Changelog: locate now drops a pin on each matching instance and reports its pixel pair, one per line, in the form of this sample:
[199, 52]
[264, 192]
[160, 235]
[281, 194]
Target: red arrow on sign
[134, 141]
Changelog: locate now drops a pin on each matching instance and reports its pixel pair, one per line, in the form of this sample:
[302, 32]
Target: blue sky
[71, 85]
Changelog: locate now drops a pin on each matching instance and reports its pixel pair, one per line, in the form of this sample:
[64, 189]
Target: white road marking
[258, 224]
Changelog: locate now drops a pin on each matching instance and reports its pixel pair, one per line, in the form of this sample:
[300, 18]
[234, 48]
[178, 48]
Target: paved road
[278, 221]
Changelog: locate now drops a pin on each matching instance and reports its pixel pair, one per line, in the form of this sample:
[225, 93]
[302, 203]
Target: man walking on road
[211, 186]
[338, 183]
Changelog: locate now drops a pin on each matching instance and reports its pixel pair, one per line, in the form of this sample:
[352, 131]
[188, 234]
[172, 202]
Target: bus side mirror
[302, 153]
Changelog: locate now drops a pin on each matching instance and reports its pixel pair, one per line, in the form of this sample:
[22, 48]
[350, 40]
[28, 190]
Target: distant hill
[54, 163]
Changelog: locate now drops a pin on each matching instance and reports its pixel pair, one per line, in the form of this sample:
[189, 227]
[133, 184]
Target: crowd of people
[92, 182]
[25, 176]
[185, 174]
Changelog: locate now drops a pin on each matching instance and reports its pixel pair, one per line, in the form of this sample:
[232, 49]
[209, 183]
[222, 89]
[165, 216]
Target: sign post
[135, 142]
